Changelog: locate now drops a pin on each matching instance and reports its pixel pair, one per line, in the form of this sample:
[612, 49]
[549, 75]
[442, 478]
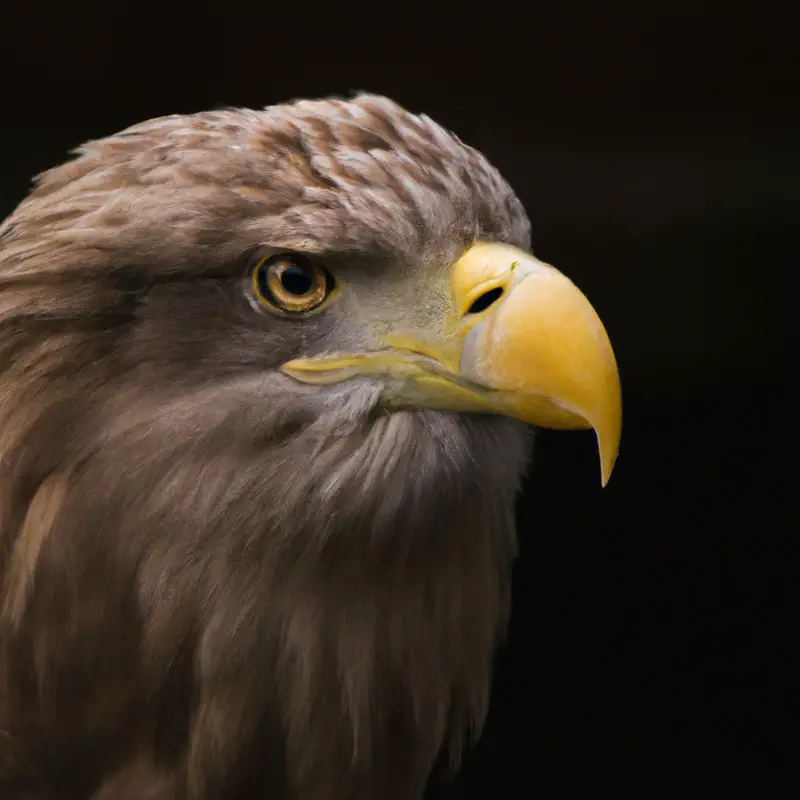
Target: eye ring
[290, 283]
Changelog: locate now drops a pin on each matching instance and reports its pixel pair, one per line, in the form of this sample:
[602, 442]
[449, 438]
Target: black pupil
[297, 280]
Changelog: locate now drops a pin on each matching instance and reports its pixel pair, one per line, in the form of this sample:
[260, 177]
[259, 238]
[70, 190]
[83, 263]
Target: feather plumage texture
[216, 583]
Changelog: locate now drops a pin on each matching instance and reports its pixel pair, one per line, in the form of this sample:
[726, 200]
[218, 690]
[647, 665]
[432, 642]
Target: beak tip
[608, 432]
[608, 460]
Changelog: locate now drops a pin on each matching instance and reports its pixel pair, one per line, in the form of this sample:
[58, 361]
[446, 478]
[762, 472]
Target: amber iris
[290, 283]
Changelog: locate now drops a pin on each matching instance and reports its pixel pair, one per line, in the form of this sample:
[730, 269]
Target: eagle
[267, 382]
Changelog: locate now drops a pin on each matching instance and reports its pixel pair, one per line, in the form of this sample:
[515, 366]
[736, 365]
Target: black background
[656, 149]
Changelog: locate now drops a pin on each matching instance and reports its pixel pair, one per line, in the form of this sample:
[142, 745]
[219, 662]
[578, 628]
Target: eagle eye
[291, 283]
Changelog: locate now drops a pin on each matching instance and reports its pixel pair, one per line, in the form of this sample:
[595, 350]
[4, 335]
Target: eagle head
[265, 385]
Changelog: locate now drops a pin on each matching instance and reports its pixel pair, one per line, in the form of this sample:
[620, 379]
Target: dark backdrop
[655, 147]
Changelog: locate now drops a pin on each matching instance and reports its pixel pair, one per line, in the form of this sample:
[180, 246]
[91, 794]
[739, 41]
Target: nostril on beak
[483, 302]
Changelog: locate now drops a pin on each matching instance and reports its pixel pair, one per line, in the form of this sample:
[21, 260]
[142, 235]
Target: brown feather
[215, 583]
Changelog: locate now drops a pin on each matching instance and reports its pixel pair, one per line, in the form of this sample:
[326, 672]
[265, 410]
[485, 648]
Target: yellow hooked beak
[520, 340]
